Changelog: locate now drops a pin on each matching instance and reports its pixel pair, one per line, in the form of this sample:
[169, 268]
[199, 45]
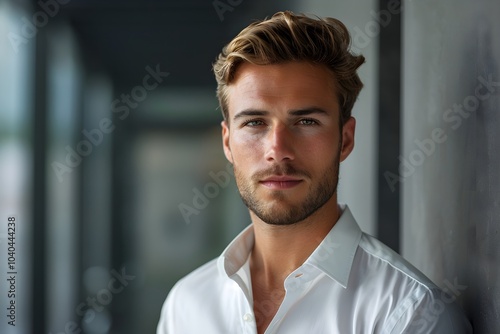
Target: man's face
[282, 137]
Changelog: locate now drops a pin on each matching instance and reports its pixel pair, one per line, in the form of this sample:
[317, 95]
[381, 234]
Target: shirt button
[248, 317]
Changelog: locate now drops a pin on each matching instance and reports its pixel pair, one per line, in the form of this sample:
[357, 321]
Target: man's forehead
[297, 82]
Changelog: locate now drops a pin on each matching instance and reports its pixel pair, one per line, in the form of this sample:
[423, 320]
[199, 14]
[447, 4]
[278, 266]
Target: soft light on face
[283, 139]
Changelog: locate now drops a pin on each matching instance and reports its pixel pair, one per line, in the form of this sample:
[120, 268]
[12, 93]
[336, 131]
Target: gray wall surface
[450, 159]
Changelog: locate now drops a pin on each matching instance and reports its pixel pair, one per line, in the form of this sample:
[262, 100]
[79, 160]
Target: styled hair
[287, 37]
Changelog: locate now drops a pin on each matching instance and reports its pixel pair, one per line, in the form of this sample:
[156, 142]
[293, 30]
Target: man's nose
[279, 144]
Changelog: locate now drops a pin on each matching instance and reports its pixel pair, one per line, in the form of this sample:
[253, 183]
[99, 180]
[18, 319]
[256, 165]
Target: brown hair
[290, 37]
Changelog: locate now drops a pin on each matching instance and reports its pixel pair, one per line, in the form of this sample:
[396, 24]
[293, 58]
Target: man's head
[289, 37]
[287, 86]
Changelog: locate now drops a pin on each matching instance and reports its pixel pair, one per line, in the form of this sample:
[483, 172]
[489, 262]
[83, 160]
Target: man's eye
[307, 121]
[254, 122]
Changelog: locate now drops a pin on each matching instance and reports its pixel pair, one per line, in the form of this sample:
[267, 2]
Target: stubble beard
[279, 211]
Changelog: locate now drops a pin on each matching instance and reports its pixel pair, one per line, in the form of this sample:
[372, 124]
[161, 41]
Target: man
[286, 87]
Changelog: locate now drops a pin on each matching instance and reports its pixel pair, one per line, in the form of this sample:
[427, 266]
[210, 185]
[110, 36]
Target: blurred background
[111, 161]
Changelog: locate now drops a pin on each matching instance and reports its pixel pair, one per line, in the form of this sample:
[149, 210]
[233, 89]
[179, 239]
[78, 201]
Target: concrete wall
[450, 169]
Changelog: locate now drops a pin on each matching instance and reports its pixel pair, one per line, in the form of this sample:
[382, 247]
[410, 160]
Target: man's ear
[225, 141]
[347, 138]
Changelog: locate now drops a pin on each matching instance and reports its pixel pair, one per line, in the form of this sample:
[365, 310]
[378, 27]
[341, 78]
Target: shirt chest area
[312, 303]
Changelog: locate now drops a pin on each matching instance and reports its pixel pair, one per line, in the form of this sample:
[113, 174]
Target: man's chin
[277, 214]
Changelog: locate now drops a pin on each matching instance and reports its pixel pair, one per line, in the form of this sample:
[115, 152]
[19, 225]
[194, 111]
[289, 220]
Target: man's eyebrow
[308, 111]
[250, 112]
[297, 112]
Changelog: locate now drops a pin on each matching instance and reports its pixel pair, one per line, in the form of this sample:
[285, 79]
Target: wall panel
[450, 161]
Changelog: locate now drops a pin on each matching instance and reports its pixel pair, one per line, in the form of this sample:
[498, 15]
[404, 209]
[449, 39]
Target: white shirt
[351, 283]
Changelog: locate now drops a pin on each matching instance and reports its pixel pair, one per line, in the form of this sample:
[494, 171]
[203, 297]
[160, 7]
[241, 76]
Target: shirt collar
[334, 255]
[236, 253]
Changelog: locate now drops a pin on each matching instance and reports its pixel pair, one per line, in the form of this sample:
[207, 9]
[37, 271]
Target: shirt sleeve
[435, 312]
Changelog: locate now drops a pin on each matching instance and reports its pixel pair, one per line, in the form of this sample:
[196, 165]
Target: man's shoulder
[417, 304]
[198, 294]
[201, 276]
[382, 258]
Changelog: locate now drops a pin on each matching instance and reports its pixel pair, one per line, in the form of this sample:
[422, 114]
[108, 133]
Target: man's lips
[280, 182]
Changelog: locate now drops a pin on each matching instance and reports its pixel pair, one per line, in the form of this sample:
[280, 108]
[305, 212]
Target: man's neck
[279, 250]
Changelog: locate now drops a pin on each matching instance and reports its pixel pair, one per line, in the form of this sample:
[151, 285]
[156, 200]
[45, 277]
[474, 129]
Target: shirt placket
[246, 315]
[248, 323]
[295, 285]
